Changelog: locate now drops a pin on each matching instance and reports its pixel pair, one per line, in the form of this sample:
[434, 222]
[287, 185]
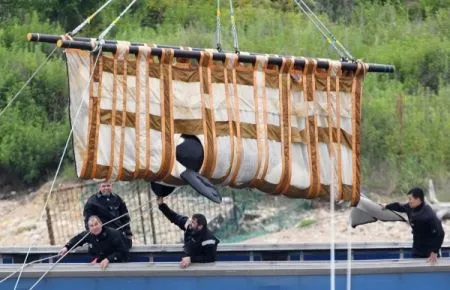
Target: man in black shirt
[200, 244]
[108, 206]
[427, 231]
[106, 245]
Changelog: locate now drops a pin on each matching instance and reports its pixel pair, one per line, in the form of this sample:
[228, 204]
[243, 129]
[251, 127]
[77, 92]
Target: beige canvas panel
[276, 129]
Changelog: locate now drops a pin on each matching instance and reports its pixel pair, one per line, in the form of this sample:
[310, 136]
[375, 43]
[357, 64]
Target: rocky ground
[315, 227]
[19, 224]
[19, 218]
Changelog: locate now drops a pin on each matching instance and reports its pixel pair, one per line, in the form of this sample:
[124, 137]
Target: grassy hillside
[405, 115]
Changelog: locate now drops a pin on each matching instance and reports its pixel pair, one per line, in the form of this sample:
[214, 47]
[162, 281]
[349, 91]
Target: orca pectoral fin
[202, 185]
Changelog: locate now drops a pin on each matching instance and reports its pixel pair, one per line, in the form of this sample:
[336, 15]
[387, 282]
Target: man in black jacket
[108, 206]
[106, 245]
[200, 244]
[427, 231]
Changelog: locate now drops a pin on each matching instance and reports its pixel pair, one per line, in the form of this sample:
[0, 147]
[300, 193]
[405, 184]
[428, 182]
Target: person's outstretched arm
[180, 220]
[73, 241]
[395, 206]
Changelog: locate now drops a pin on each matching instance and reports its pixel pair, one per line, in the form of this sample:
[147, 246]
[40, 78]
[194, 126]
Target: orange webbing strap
[98, 78]
[113, 117]
[140, 57]
[284, 78]
[330, 121]
[340, 189]
[238, 141]
[184, 60]
[332, 71]
[89, 162]
[122, 51]
[356, 133]
[167, 125]
[142, 84]
[260, 100]
[311, 128]
[66, 36]
[209, 131]
[148, 174]
[264, 129]
[228, 67]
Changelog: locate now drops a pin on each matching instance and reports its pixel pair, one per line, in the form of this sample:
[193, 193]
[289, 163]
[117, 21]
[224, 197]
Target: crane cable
[218, 28]
[70, 34]
[326, 33]
[233, 29]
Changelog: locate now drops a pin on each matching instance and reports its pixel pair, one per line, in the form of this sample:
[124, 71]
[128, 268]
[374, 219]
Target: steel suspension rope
[28, 81]
[26, 265]
[108, 29]
[349, 254]
[88, 233]
[89, 19]
[333, 191]
[233, 29]
[347, 53]
[59, 166]
[218, 28]
[59, 259]
[98, 51]
[57, 255]
[326, 33]
[72, 33]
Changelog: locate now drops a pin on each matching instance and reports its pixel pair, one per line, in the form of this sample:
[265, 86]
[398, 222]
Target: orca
[190, 154]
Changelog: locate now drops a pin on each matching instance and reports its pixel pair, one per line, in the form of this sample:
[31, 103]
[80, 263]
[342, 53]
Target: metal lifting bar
[111, 46]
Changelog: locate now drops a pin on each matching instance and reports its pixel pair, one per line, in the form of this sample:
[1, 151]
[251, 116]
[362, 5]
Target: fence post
[235, 217]
[400, 116]
[51, 235]
[152, 222]
[138, 188]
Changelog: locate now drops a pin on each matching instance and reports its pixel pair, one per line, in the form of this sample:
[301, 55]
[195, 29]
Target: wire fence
[242, 213]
